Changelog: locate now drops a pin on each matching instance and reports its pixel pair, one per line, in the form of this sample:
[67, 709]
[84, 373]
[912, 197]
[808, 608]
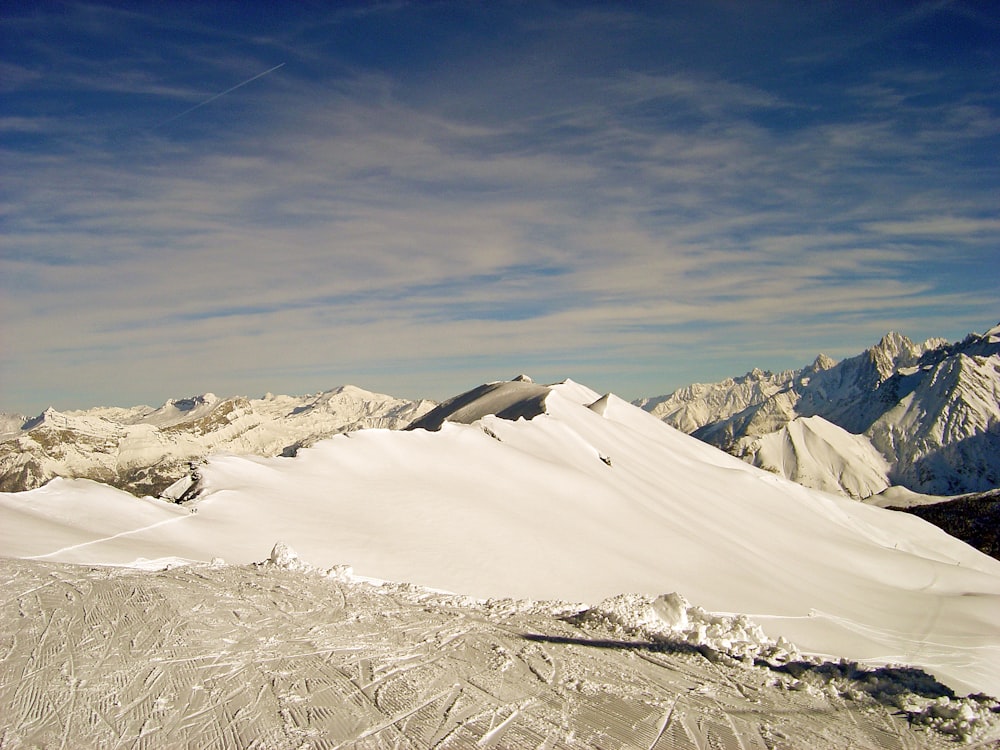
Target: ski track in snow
[254, 657]
[120, 534]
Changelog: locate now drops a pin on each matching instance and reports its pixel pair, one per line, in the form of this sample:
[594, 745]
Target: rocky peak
[822, 362]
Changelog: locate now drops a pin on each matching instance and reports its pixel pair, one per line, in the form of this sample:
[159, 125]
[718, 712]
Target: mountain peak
[822, 362]
[930, 409]
[895, 343]
[46, 417]
[145, 450]
[510, 399]
[894, 350]
[192, 402]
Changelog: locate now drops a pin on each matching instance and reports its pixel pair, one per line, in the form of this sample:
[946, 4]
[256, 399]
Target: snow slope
[931, 410]
[145, 450]
[818, 454]
[578, 503]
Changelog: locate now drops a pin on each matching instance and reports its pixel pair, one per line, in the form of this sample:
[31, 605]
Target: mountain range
[589, 498]
[146, 450]
[922, 416]
[615, 583]
[925, 417]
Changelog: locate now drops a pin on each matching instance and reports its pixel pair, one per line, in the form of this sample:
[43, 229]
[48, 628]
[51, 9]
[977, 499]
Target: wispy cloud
[959, 228]
[367, 213]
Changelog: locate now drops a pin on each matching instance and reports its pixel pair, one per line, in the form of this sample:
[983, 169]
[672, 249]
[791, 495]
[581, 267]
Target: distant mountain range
[923, 416]
[146, 451]
[570, 495]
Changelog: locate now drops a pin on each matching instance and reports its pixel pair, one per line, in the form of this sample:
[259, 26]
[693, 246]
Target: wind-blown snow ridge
[574, 504]
[931, 410]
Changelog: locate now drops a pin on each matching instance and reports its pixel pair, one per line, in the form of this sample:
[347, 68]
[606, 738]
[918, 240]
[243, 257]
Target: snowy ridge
[931, 410]
[576, 504]
[818, 454]
[506, 399]
[694, 406]
[144, 450]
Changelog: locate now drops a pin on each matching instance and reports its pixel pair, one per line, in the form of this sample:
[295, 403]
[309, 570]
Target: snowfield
[592, 498]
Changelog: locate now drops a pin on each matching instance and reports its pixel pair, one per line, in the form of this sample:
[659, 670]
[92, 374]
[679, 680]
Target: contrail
[221, 93]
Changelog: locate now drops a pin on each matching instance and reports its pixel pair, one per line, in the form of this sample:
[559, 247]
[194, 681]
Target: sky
[418, 197]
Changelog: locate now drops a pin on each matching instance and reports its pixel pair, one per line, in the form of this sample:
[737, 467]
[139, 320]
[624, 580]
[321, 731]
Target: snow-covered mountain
[924, 416]
[589, 498]
[819, 454]
[145, 450]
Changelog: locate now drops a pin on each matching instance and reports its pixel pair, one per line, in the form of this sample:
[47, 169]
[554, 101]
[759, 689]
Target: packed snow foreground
[283, 656]
[573, 497]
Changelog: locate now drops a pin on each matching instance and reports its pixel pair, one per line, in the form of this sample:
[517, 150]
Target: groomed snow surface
[579, 504]
[280, 655]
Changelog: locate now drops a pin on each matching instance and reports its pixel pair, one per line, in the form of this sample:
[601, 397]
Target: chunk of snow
[672, 610]
[283, 556]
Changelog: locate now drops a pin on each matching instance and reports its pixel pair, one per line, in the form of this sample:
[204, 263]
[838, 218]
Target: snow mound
[284, 557]
[672, 621]
[965, 719]
[671, 618]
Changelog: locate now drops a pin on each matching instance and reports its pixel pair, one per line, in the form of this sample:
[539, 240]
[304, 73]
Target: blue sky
[419, 197]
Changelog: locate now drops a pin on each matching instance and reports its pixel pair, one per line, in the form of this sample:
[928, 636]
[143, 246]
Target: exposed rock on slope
[931, 410]
[144, 450]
